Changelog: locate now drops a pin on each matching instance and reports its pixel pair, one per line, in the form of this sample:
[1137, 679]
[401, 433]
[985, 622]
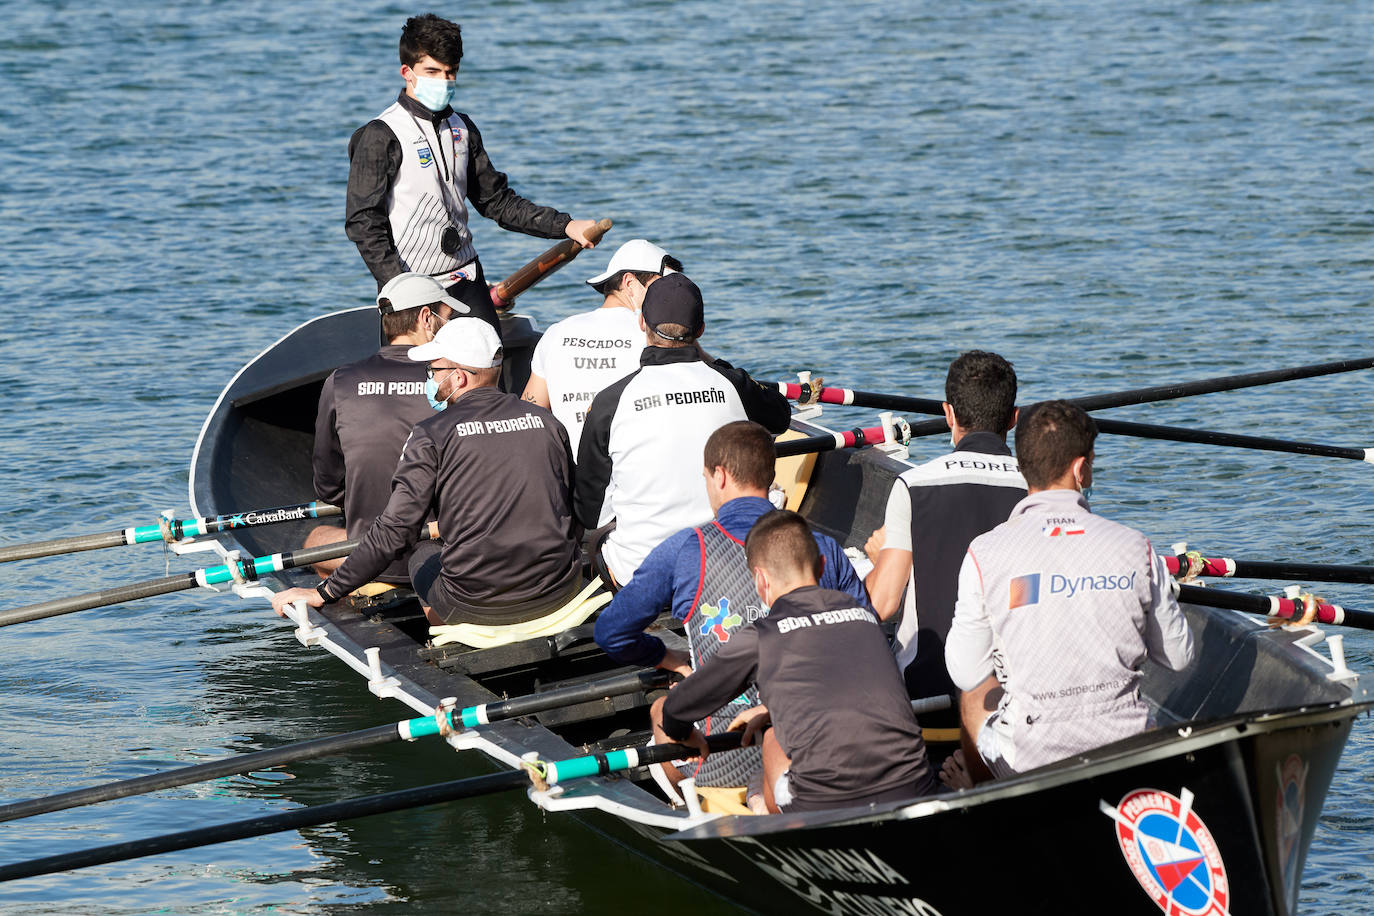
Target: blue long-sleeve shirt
[671, 573]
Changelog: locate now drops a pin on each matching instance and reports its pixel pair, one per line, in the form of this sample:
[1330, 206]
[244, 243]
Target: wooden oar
[1261, 569]
[1286, 608]
[407, 730]
[503, 294]
[541, 773]
[169, 530]
[847, 396]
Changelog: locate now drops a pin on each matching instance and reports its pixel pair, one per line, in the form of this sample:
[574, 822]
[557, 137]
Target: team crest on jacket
[426, 157]
[457, 134]
[719, 620]
[1171, 852]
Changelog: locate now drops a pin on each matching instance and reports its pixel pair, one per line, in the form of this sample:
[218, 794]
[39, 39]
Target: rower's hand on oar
[752, 722]
[309, 595]
[577, 231]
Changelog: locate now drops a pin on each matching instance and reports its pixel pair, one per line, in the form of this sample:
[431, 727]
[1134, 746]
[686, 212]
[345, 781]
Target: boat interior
[269, 410]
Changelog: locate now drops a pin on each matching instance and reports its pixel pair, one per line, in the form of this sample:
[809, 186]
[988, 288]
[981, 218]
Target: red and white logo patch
[1171, 852]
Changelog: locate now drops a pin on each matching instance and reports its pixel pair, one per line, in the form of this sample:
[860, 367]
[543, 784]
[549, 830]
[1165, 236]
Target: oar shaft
[214, 575]
[62, 545]
[176, 529]
[274, 823]
[331, 745]
[514, 708]
[1207, 437]
[118, 595]
[1286, 608]
[203, 772]
[556, 771]
[1263, 569]
[1222, 383]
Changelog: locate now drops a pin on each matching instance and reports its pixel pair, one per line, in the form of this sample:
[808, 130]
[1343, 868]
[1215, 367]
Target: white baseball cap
[412, 290]
[636, 254]
[468, 342]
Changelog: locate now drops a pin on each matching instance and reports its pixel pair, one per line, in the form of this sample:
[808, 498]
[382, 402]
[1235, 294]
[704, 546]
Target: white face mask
[433, 93]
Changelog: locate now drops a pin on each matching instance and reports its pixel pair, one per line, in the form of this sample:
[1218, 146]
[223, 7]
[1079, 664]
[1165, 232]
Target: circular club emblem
[1171, 853]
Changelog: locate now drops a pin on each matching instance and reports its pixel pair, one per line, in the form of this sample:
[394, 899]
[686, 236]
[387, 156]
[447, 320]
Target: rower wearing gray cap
[496, 472]
[639, 461]
[584, 353]
[367, 409]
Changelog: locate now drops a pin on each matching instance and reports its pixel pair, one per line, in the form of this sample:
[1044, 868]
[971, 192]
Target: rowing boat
[1210, 813]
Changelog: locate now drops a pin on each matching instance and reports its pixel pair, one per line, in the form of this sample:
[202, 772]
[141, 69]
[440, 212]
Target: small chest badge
[426, 157]
[1171, 852]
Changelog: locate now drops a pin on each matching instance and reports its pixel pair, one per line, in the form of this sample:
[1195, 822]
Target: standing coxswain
[583, 353]
[411, 168]
[497, 474]
[367, 410]
[640, 455]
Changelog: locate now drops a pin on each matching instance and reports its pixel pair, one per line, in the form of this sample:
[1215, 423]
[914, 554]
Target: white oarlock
[380, 686]
[808, 411]
[306, 633]
[1341, 671]
[688, 788]
[890, 444]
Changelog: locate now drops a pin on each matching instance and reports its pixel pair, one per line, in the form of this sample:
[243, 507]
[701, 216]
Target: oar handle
[504, 293]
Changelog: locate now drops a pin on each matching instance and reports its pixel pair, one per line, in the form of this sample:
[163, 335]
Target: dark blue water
[1110, 196]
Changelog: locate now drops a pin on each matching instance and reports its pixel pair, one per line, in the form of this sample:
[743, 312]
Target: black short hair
[981, 387]
[781, 542]
[1049, 436]
[431, 36]
[745, 449]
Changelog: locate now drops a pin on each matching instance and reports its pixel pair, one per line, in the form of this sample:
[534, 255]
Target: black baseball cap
[674, 299]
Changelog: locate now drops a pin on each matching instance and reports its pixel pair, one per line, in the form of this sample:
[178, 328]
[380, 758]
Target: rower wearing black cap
[639, 460]
[366, 412]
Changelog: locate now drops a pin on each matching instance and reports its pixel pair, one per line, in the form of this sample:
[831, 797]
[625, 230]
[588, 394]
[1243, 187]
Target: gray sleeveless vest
[724, 602]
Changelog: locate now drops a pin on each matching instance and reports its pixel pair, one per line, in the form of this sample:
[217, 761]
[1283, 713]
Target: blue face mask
[431, 392]
[434, 93]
